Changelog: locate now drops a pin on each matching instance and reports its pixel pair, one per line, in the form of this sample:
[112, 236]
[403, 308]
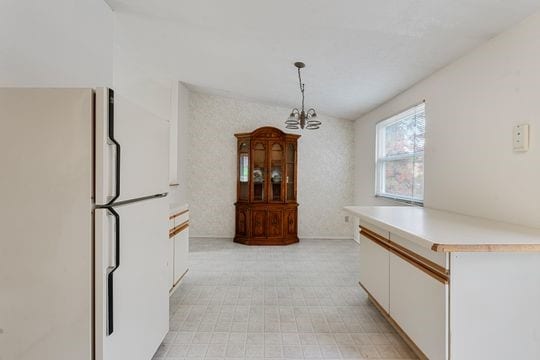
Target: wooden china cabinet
[266, 207]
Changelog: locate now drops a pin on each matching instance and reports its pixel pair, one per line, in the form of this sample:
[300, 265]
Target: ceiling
[359, 53]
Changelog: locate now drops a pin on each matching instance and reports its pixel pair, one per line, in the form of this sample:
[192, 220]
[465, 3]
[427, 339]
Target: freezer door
[131, 275]
[132, 150]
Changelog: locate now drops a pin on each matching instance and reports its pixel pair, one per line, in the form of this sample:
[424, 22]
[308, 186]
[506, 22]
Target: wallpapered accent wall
[325, 167]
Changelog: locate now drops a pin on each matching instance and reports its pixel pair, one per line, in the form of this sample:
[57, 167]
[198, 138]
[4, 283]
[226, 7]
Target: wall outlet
[346, 219]
[521, 137]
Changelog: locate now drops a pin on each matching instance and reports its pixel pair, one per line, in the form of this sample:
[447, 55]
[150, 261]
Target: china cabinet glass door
[259, 171]
[291, 175]
[243, 167]
[276, 173]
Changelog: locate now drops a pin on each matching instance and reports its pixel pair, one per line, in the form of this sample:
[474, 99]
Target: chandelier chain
[301, 87]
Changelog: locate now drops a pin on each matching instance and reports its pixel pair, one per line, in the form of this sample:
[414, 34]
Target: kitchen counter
[455, 287]
[443, 231]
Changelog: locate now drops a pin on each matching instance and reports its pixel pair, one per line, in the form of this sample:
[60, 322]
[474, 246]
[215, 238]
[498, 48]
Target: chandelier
[300, 119]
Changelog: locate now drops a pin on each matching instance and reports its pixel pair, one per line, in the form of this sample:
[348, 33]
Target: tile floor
[294, 302]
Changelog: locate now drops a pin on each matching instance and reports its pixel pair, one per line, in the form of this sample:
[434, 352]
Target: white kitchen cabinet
[410, 288]
[419, 305]
[181, 250]
[460, 288]
[374, 270]
[178, 245]
[170, 253]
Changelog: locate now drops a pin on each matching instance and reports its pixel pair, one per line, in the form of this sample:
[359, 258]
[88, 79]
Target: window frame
[381, 160]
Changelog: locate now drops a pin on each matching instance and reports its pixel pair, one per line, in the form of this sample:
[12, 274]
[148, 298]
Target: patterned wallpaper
[325, 167]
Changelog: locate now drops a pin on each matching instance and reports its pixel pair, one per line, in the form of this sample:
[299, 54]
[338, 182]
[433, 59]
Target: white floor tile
[293, 302]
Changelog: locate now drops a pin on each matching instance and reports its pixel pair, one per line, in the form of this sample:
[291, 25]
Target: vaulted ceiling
[359, 53]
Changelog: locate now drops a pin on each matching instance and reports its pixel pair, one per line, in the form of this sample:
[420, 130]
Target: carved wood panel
[291, 222]
[258, 224]
[275, 224]
[241, 222]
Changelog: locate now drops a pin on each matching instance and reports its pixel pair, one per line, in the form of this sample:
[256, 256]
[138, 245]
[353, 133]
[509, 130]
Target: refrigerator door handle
[111, 270]
[107, 163]
[117, 146]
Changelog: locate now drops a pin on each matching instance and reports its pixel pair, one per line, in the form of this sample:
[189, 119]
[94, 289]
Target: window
[400, 156]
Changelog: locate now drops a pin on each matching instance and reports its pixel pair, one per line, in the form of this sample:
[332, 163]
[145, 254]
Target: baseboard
[325, 238]
[211, 237]
[301, 237]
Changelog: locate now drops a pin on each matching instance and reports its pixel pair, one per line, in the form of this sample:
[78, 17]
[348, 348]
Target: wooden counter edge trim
[486, 248]
[178, 214]
[438, 268]
[395, 325]
[376, 238]
[177, 229]
[430, 268]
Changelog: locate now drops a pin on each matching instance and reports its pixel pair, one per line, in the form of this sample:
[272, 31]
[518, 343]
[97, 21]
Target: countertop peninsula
[443, 231]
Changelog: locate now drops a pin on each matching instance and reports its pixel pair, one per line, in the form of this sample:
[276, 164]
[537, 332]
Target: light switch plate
[521, 137]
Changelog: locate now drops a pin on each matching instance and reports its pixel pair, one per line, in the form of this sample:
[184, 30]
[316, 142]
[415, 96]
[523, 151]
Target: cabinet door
[374, 270]
[259, 173]
[275, 223]
[275, 185]
[242, 221]
[243, 170]
[181, 250]
[418, 303]
[290, 172]
[290, 222]
[258, 223]
[170, 257]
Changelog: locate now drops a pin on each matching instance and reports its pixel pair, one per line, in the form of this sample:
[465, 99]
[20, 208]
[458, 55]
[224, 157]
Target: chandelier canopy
[300, 119]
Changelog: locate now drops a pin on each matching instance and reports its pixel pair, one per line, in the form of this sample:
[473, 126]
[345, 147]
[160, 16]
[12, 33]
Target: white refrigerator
[83, 226]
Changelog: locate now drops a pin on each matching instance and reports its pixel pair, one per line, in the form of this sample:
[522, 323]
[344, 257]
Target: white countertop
[449, 232]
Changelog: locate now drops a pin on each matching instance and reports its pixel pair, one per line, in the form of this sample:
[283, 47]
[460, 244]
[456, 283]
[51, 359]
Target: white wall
[178, 194]
[471, 107]
[58, 43]
[156, 91]
[325, 166]
[183, 143]
[137, 80]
